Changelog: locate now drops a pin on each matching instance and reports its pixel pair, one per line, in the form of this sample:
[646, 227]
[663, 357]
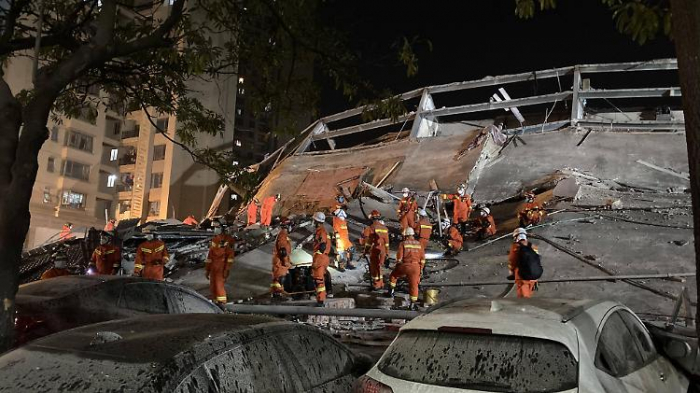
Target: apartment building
[110, 164]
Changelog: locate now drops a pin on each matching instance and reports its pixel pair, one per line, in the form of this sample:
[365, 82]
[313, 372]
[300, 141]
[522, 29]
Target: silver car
[524, 345]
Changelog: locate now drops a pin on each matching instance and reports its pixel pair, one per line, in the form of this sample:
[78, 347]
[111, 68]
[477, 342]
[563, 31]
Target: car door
[143, 298]
[624, 363]
[183, 302]
[323, 365]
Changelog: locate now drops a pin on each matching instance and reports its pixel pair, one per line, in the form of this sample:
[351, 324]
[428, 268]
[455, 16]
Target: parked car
[524, 345]
[184, 354]
[49, 306]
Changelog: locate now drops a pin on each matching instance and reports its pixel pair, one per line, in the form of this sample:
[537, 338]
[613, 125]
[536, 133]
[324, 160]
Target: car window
[488, 362]
[639, 332]
[617, 351]
[256, 367]
[187, 303]
[146, 297]
[322, 359]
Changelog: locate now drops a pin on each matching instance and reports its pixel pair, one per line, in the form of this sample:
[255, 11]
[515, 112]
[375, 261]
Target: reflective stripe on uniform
[161, 248]
[343, 227]
[381, 230]
[414, 298]
[321, 289]
[230, 260]
[115, 265]
[392, 283]
[147, 250]
[138, 266]
[98, 252]
[275, 285]
[110, 252]
[221, 298]
[426, 226]
[412, 246]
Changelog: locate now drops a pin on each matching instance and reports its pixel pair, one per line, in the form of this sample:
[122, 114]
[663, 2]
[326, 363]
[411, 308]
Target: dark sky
[475, 38]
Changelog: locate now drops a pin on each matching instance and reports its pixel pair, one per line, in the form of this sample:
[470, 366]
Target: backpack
[529, 265]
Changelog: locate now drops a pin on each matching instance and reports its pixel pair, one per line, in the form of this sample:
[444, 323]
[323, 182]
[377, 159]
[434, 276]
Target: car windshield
[494, 363]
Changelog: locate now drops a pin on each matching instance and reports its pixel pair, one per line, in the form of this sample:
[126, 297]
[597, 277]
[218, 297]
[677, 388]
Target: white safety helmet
[519, 231]
[405, 190]
[462, 189]
[319, 217]
[485, 211]
[409, 232]
[60, 260]
[521, 237]
[422, 213]
[445, 224]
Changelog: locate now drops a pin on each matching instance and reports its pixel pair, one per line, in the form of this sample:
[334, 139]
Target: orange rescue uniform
[375, 238]
[65, 233]
[191, 221]
[410, 259]
[455, 240]
[107, 259]
[407, 212]
[320, 261]
[462, 208]
[424, 229]
[342, 237]
[485, 226]
[218, 265]
[524, 287]
[54, 272]
[252, 213]
[280, 264]
[109, 227]
[266, 210]
[151, 255]
[531, 214]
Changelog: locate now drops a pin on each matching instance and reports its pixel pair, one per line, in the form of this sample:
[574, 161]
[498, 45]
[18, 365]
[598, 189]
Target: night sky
[473, 39]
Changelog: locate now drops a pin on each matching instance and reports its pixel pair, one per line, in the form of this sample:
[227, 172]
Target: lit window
[47, 195]
[111, 181]
[238, 143]
[239, 112]
[114, 154]
[73, 200]
[241, 91]
[240, 80]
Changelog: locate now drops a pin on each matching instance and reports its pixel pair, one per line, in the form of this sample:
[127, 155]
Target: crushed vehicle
[530, 345]
[183, 354]
[61, 303]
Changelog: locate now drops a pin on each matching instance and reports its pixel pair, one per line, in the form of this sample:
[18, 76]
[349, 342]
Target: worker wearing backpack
[524, 264]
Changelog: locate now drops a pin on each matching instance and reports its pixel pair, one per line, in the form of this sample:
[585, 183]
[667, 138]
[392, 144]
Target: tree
[643, 20]
[147, 54]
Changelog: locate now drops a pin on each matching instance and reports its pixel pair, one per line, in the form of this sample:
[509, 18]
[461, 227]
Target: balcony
[134, 133]
[128, 160]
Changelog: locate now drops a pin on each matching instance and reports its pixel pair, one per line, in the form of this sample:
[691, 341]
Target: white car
[524, 345]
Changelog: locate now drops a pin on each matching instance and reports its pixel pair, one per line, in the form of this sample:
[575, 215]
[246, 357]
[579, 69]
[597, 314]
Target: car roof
[128, 352]
[536, 317]
[58, 287]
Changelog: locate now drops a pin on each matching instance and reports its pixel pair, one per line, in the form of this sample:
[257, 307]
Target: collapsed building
[602, 146]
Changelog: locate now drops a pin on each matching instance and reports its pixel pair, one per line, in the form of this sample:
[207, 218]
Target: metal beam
[661, 276]
[500, 80]
[358, 111]
[536, 100]
[361, 127]
[636, 125]
[652, 65]
[576, 103]
[335, 312]
[631, 93]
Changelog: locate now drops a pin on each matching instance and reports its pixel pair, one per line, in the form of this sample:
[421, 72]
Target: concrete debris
[566, 188]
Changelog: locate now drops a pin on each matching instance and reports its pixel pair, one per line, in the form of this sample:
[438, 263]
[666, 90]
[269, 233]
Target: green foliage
[640, 19]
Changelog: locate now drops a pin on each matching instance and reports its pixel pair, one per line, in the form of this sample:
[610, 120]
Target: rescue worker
[60, 266]
[266, 210]
[111, 225]
[410, 260]
[319, 265]
[532, 213]
[485, 226]
[106, 259]
[151, 256]
[340, 203]
[191, 221]
[218, 263]
[407, 210]
[424, 229]
[66, 232]
[524, 287]
[281, 261]
[343, 245]
[375, 239]
[454, 240]
[253, 211]
[461, 208]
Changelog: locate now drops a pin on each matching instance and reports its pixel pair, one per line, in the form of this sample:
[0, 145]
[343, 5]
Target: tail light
[366, 384]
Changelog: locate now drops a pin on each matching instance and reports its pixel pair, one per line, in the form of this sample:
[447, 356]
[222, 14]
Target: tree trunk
[686, 35]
